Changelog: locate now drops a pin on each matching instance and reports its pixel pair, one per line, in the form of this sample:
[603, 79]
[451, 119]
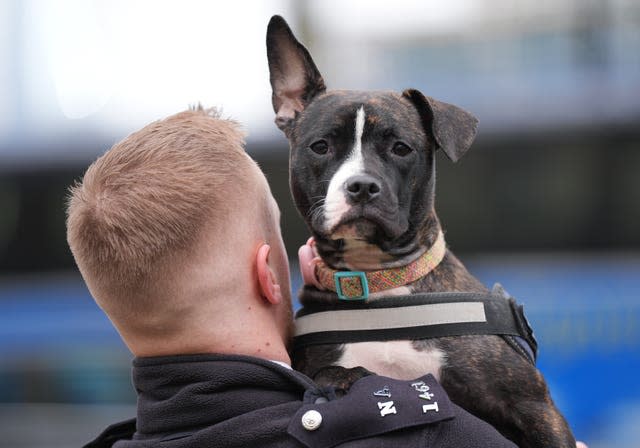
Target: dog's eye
[319, 147]
[400, 149]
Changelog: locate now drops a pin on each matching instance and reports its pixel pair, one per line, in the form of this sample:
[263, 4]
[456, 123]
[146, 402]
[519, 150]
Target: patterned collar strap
[357, 285]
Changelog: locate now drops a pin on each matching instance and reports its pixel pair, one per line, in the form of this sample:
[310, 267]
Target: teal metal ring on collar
[352, 274]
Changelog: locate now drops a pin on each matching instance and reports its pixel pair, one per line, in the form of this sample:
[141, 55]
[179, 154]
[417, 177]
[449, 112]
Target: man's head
[175, 232]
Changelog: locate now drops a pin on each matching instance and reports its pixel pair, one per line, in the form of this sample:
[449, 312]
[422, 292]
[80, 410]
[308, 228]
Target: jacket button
[311, 420]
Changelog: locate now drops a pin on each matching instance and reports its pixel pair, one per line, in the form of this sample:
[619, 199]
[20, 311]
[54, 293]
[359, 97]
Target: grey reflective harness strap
[419, 316]
[390, 318]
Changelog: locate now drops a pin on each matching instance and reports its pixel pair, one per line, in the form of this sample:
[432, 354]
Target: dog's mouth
[362, 243]
[355, 229]
[366, 224]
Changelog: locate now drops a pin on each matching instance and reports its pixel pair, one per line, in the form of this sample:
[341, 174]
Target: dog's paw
[340, 378]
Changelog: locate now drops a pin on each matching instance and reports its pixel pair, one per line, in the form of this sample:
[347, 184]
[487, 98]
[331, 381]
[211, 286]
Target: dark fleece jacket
[239, 401]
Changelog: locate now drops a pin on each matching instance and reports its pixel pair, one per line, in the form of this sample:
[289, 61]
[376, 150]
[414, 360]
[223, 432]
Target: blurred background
[547, 202]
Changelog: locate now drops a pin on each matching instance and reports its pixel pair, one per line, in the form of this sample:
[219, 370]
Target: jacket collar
[189, 392]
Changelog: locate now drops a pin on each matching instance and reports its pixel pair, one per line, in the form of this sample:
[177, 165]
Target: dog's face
[361, 166]
[362, 163]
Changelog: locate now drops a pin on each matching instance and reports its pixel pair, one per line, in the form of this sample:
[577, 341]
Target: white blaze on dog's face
[336, 204]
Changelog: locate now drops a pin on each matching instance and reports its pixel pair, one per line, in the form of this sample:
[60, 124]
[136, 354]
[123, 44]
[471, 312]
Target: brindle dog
[362, 173]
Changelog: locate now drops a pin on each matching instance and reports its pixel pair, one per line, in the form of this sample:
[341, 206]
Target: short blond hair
[148, 197]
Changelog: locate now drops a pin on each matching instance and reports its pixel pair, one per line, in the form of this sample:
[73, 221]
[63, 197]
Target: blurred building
[546, 202]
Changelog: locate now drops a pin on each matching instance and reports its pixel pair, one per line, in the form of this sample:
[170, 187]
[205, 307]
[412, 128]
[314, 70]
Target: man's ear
[267, 281]
[294, 77]
[453, 128]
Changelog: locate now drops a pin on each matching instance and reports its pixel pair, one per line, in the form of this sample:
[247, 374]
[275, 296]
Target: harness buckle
[351, 285]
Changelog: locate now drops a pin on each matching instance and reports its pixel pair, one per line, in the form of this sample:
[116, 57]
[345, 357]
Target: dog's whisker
[319, 204]
[317, 211]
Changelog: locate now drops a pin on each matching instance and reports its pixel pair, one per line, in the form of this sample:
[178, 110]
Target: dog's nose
[362, 188]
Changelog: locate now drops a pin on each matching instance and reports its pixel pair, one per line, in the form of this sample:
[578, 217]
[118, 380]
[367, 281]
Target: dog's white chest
[395, 359]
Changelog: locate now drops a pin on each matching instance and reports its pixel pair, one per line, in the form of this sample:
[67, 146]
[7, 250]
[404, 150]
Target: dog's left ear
[294, 77]
[453, 128]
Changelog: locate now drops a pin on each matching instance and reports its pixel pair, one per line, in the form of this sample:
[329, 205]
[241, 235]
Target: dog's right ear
[294, 77]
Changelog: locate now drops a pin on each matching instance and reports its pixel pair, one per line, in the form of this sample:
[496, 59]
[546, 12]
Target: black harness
[418, 316]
